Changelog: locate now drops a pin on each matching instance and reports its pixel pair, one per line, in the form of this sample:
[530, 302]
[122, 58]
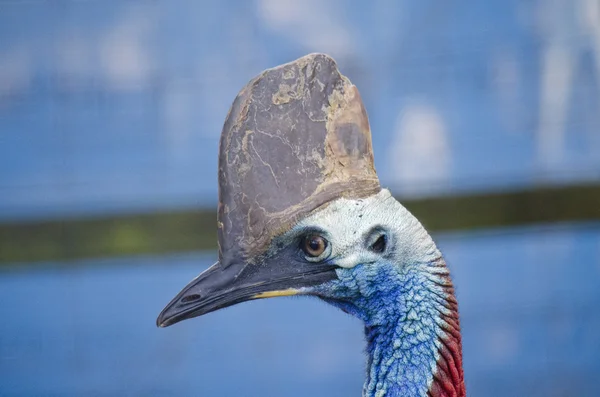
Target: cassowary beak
[219, 287]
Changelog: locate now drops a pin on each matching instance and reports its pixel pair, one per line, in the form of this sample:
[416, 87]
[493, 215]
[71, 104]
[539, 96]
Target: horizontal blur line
[194, 230]
[530, 205]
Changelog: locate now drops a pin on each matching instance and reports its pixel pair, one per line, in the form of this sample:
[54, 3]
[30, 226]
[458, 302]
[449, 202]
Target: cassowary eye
[379, 244]
[314, 245]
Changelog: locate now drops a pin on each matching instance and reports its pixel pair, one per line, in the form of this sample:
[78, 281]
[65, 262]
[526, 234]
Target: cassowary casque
[301, 212]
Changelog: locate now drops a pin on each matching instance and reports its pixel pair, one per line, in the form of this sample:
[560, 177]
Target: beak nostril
[190, 298]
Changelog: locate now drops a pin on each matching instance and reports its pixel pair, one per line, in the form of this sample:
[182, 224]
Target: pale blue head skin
[397, 292]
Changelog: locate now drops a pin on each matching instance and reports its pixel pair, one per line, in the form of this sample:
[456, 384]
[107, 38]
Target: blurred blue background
[115, 107]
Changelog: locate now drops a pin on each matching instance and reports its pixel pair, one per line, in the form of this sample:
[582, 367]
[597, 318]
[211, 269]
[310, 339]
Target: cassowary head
[295, 142]
[301, 212]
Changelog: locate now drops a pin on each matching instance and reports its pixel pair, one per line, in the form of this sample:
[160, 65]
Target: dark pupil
[315, 243]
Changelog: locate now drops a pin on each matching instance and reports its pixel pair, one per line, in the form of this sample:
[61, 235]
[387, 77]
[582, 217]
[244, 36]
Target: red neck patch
[448, 380]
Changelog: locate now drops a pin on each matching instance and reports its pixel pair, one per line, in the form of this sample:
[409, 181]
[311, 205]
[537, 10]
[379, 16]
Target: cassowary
[301, 212]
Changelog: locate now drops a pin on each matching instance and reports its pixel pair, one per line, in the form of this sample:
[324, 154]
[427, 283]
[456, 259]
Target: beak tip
[163, 321]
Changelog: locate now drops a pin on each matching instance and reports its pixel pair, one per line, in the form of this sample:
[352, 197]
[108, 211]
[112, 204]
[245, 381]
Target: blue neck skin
[401, 308]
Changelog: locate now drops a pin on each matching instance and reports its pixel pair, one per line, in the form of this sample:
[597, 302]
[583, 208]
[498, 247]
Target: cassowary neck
[411, 326]
[404, 296]
[413, 335]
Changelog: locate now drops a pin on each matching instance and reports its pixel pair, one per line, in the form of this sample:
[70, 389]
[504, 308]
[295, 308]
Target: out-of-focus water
[529, 301]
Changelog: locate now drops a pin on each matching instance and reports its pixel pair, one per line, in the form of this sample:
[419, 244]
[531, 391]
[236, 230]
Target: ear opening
[377, 240]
